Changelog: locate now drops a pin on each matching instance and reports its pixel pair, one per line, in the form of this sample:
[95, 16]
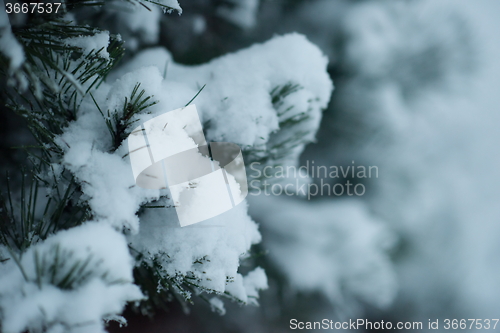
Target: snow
[174, 4]
[77, 279]
[139, 22]
[254, 281]
[158, 57]
[32, 299]
[107, 181]
[9, 46]
[217, 305]
[237, 98]
[422, 104]
[150, 80]
[456, 194]
[221, 241]
[97, 42]
[434, 147]
[236, 106]
[246, 117]
[421, 38]
[336, 248]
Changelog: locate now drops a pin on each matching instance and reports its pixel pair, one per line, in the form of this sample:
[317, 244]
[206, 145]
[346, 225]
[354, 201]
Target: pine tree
[69, 227]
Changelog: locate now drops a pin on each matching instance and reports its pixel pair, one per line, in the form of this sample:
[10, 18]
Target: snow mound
[70, 282]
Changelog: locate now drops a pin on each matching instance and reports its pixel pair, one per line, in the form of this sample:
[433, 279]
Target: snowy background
[411, 87]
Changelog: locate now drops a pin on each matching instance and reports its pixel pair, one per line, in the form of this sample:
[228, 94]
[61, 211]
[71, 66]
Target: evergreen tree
[78, 239]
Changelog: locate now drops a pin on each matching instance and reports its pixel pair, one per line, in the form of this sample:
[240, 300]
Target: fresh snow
[9, 46]
[335, 248]
[31, 300]
[98, 42]
[235, 106]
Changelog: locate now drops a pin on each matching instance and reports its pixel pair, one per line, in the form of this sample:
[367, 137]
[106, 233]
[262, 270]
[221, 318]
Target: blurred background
[417, 94]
